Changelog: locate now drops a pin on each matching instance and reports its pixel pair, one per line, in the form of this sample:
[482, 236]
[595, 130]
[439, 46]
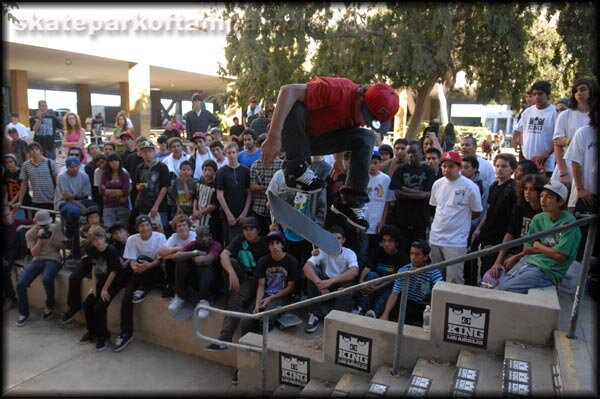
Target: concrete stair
[432, 377]
[393, 386]
[576, 376]
[317, 388]
[286, 391]
[533, 372]
[479, 370]
[353, 385]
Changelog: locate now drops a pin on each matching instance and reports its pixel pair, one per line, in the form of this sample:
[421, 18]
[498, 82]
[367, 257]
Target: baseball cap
[199, 135]
[146, 144]
[557, 188]
[141, 219]
[274, 235]
[250, 221]
[11, 156]
[42, 218]
[376, 154]
[70, 161]
[126, 133]
[451, 156]
[380, 105]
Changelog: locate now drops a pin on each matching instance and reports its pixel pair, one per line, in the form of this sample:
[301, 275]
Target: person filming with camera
[45, 239]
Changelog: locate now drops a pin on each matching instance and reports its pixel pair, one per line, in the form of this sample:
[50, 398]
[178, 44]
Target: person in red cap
[457, 201]
[325, 116]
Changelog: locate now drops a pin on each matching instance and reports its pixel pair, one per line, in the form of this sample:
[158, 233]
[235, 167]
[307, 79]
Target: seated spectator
[419, 287]
[163, 150]
[196, 270]
[239, 260]
[105, 266]
[45, 239]
[115, 186]
[144, 270]
[385, 260]
[18, 146]
[328, 273]
[276, 274]
[183, 189]
[546, 260]
[11, 184]
[72, 199]
[178, 240]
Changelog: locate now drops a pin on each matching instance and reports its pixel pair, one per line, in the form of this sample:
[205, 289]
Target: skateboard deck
[186, 312]
[288, 319]
[288, 216]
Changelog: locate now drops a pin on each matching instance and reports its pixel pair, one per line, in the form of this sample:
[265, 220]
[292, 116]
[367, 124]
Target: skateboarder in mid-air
[325, 116]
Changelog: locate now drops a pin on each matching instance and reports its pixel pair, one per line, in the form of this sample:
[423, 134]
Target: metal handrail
[264, 315]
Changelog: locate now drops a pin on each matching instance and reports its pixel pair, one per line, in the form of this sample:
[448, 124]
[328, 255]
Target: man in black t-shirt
[276, 275]
[235, 131]
[239, 260]
[45, 125]
[151, 179]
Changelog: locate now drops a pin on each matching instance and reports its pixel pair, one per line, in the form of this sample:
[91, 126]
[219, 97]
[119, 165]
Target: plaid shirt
[260, 175]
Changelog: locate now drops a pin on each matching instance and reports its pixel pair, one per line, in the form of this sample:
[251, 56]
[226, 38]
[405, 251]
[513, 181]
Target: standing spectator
[253, 111]
[432, 158]
[97, 129]
[41, 179]
[412, 184]
[235, 131]
[14, 123]
[233, 193]
[562, 105]
[121, 128]
[400, 157]
[260, 177]
[114, 187]
[11, 183]
[183, 190]
[486, 147]
[468, 147]
[386, 152]
[144, 270]
[260, 124]
[201, 153]
[18, 146]
[101, 166]
[163, 149]
[216, 134]
[205, 204]
[176, 157]
[457, 201]
[105, 261]
[328, 273]
[45, 127]
[44, 240]
[170, 130]
[216, 149]
[74, 135]
[198, 119]
[430, 140]
[525, 167]
[251, 152]
[535, 129]
[239, 260]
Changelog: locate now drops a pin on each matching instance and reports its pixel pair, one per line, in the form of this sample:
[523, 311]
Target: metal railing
[264, 315]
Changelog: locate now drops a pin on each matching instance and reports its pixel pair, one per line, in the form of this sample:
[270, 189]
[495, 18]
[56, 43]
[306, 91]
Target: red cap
[198, 135]
[380, 105]
[126, 133]
[452, 156]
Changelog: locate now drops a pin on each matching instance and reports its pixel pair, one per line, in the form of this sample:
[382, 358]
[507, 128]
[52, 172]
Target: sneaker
[47, 313]
[215, 348]
[101, 345]
[167, 293]
[354, 216]
[69, 315]
[9, 304]
[203, 313]
[86, 338]
[121, 342]
[312, 324]
[138, 296]
[371, 313]
[358, 310]
[23, 319]
[176, 304]
[308, 182]
[234, 379]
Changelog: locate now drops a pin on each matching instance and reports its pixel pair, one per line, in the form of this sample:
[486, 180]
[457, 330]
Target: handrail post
[265, 354]
[585, 267]
[400, 331]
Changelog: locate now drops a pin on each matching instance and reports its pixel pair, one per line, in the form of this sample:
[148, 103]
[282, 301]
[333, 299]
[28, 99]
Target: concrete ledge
[151, 318]
[576, 368]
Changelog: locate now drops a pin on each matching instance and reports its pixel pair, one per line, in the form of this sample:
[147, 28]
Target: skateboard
[288, 216]
[288, 319]
[186, 312]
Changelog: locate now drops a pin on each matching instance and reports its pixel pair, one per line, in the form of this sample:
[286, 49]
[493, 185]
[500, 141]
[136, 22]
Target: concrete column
[178, 107]
[156, 117]
[124, 92]
[84, 103]
[18, 95]
[139, 98]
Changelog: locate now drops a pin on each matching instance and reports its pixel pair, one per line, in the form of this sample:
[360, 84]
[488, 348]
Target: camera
[46, 232]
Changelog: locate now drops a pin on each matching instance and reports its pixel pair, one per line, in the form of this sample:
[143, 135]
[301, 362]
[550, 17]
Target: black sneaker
[121, 342]
[86, 338]
[312, 324]
[47, 313]
[308, 182]
[69, 315]
[101, 345]
[234, 379]
[139, 296]
[354, 216]
[22, 320]
[215, 348]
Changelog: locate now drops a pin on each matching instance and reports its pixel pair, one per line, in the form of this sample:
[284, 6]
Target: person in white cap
[545, 260]
[45, 239]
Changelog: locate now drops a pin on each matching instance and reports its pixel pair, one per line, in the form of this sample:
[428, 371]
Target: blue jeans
[49, 268]
[378, 299]
[71, 213]
[523, 277]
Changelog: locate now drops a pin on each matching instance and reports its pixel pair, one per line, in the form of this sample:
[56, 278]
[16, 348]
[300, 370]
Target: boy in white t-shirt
[457, 201]
[535, 129]
[328, 273]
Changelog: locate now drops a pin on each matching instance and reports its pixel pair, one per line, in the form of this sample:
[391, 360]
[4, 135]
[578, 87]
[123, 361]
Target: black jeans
[143, 281]
[238, 301]
[321, 309]
[193, 282]
[74, 294]
[95, 309]
[254, 325]
[299, 146]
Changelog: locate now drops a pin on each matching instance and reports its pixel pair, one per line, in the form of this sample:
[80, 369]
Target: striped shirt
[40, 180]
[420, 285]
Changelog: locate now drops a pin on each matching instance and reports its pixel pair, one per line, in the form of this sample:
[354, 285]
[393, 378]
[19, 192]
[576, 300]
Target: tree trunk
[415, 119]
